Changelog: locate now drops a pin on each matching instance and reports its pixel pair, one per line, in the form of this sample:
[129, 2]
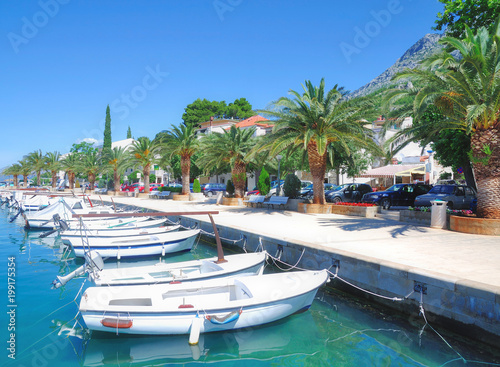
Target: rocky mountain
[424, 47]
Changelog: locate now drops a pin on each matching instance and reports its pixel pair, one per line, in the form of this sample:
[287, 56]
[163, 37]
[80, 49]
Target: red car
[132, 187]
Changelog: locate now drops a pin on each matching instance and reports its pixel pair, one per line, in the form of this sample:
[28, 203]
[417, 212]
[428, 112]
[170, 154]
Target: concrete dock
[459, 274]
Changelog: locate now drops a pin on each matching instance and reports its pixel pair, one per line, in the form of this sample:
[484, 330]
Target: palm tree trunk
[54, 179]
[185, 172]
[238, 175]
[487, 172]
[38, 178]
[71, 179]
[317, 166]
[16, 180]
[116, 178]
[91, 180]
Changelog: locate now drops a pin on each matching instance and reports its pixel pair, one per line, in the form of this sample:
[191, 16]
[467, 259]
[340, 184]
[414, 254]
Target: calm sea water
[336, 331]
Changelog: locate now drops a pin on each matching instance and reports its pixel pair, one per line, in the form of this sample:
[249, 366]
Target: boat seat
[209, 267]
[241, 291]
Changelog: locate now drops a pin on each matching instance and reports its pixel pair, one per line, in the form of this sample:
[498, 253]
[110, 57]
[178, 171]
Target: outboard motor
[93, 262]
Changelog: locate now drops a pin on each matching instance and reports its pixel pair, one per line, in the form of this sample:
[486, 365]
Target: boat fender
[230, 317]
[194, 334]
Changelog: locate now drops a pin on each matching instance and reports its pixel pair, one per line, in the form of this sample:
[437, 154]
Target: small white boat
[184, 271]
[65, 208]
[202, 306]
[148, 245]
[115, 231]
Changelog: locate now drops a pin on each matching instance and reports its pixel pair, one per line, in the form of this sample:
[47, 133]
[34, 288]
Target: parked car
[396, 195]
[132, 187]
[348, 193]
[155, 186]
[456, 196]
[307, 192]
[211, 189]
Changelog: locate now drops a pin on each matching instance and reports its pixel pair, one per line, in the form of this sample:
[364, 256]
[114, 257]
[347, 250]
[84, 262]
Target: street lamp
[278, 157]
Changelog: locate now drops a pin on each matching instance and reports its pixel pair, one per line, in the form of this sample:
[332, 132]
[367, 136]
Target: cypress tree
[129, 133]
[106, 146]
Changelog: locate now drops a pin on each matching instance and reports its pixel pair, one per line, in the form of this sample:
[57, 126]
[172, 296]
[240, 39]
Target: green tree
[53, 165]
[36, 160]
[196, 186]
[467, 93]
[229, 148]
[239, 109]
[106, 145]
[129, 133]
[13, 170]
[25, 170]
[461, 13]
[291, 186]
[117, 161]
[83, 147]
[264, 183]
[201, 110]
[144, 153]
[181, 141]
[70, 165]
[314, 122]
[90, 165]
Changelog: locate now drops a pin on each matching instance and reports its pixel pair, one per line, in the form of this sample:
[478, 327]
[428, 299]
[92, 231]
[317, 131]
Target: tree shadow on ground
[395, 227]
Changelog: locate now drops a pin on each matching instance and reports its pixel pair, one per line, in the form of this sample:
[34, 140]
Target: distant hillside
[424, 47]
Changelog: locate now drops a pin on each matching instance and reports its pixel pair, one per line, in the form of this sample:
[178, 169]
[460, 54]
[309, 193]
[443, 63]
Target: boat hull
[152, 245]
[179, 318]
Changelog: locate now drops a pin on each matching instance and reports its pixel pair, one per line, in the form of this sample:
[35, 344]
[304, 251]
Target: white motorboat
[65, 208]
[115, 231]
[145, 245]
[184, 271]
[202, 306]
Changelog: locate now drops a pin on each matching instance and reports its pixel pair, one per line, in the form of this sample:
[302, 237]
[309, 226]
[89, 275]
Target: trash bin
[136, 192]
[438, 214]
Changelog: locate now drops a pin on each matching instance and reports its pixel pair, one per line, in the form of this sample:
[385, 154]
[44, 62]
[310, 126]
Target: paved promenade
[451, 256]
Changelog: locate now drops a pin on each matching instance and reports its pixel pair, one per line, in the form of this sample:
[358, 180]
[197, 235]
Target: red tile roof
[252, 121]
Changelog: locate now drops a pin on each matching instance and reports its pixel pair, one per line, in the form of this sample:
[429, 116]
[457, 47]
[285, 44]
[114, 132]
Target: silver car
[456, 196]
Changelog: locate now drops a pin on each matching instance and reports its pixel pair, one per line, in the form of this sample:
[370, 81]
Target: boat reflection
[259, 343]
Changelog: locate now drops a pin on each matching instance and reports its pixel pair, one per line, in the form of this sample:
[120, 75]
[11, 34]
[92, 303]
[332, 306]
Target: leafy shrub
[291, 187]
[170, 188]
[264, 184]
[230, 188]
[196, 185]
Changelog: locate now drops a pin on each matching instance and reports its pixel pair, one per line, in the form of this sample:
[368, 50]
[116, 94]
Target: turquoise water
[336, 331]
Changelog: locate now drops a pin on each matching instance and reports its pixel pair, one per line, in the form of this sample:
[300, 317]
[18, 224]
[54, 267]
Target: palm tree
[53, 165]
[90, 164]
[37, 161]
[70, 165]
[118, 161]
[15, 171]
[182, 141]
[143, 153]
[231, 147]
[25, 170]
[466, 90]
[315, 121]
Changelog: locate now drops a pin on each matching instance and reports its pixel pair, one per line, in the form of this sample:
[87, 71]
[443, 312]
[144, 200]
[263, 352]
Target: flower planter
[357, 211]
[475, 225]
[293, 204]
[179, 197]
[196, 196]
[232, 201]
[416, 217]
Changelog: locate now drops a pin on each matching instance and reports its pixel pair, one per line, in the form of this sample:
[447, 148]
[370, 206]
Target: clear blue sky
[63, 61]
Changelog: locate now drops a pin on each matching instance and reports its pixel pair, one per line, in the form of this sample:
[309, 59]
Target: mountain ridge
[421, 49]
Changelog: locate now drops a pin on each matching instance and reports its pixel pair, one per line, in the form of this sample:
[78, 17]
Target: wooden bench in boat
[255, 199]
[281, 201]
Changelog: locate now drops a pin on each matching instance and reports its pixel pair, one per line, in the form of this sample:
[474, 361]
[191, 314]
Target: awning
[393, 170]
